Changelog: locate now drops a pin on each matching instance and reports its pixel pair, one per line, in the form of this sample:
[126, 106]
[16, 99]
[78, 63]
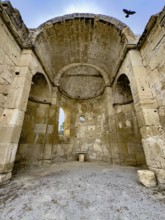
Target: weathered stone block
[81, 157]
[147, 178]
[154, 148]
[133, 148]
[48, 152]
[151, 117]
[130, 161]
[24, 72]
[123, 149]
[10, 134]
[113, 137]
[12, 117]
[22, 81]
[40, 128]
[17, 98]
[114, 148]
[123, 136]
[161, 176]
[149, 131]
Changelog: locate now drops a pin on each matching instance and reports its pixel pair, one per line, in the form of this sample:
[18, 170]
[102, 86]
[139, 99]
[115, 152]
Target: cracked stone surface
[74, 190]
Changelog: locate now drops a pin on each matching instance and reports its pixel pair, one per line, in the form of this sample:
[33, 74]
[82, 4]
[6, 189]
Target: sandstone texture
[147, 178]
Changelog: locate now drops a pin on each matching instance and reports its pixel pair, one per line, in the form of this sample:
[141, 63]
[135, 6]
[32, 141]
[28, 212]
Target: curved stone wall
[84, 39]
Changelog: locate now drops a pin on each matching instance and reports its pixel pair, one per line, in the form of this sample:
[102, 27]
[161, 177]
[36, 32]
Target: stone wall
[9, 56]
[37, 125]
[33, 136]
[88, 130]
[153, 56]
[126, 145]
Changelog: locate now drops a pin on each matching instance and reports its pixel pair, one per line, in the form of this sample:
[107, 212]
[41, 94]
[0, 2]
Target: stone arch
[146, 111]
[40, 88]
[91, 81]
[85, 48]
[129, 140]
[31, 148]
[64, 69]
[122, 91]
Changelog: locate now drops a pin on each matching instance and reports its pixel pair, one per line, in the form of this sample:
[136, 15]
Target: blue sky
[35, 12]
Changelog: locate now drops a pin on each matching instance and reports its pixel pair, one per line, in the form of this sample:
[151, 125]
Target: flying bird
[128, 12]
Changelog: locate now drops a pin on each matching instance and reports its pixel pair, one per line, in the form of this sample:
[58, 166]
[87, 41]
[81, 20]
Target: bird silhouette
[128, 12]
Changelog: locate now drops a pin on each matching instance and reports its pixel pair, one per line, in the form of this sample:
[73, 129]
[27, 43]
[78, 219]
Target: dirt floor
[79, 191]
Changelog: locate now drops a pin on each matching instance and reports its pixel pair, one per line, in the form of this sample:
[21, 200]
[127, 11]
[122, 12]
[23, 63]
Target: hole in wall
[61, 122]
[82, 118]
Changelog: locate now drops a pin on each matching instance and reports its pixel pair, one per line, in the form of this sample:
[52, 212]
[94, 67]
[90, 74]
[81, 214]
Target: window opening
[61, 122]
[82, 118]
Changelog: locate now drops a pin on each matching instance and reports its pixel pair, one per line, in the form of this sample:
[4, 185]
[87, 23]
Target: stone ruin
[109, 83]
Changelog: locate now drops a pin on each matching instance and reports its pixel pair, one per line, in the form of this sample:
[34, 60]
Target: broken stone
[147, 178]
[161, 176]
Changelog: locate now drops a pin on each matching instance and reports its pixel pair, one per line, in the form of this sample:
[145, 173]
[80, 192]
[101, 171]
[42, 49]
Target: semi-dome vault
[108, 83]
[81, 47]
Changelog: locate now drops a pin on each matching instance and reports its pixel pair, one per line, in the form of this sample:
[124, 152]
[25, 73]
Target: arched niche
[122, 92]
[40, 90]
[127, 150]
[36, 127]
[91, 40]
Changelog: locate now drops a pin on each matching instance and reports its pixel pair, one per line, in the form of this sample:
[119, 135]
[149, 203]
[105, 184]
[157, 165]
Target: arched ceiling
[84, 47]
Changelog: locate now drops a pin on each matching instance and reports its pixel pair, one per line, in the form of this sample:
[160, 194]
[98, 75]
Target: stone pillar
[112, 142]
[52, 129]
[12, 118]
[147, 114]
[109, 101]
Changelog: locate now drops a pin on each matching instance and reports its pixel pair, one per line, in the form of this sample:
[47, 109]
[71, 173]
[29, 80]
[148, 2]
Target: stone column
[147, 114]
[12, 117]
[52, 129]
[112, 142]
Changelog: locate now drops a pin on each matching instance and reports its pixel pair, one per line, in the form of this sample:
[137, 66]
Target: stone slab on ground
[147, 178]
